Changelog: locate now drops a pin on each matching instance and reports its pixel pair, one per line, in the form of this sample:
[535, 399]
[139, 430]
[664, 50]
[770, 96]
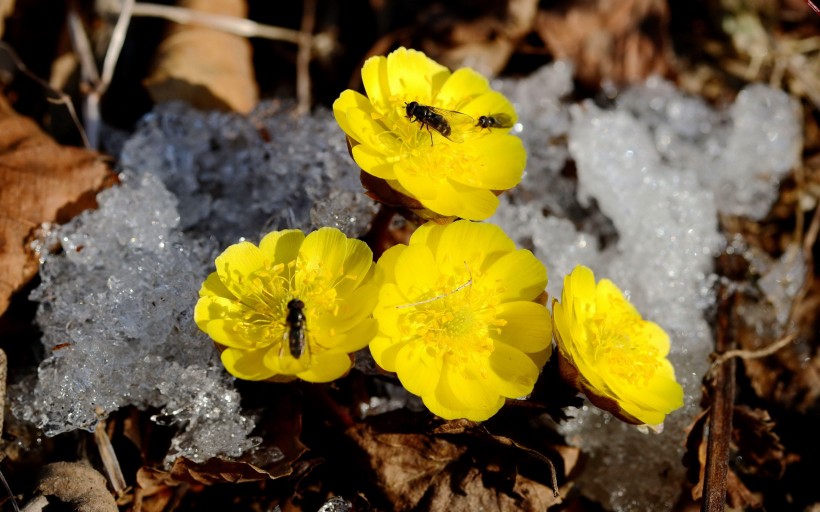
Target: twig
[754, 354]
[60, 97]
[231, 24]
[112, 54]
[109, 459]
[534, 453]
[303, 57]
[720, 419]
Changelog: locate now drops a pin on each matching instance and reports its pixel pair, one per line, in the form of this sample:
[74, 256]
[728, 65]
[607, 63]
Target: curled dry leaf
[78, 485]
[207, 68]
[213, 471]
[40, 181]
[622, 41]
[436, 472]
[753, 441]
[790, 377]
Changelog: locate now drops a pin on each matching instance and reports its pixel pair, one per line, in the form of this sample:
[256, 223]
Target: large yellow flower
[452, 171]
[617, 359]
[294, 306]
[458, 321]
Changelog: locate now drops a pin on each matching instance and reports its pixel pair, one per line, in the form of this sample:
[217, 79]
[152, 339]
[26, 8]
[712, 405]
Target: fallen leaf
[78, 485]
[622, 41]
[208, 68]
[760, 452]
[6, 8]
[790, 377]
[756, 451]
[444, 470]
[40, 181]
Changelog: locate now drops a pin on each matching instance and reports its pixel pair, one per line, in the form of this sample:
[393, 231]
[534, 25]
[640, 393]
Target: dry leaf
[207, 68]
[6, 8]
[213, 471]
[78, 485]
[790, 377]
[40, 181]
[753, 442]
[623, 41]
[432, 472]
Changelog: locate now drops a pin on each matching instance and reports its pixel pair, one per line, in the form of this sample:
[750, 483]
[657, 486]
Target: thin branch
[720, 418]
[112, 54]
[60, 98]
[239, 26]
[754, 354]
[303, 57]
[82, 47]
[109, 459]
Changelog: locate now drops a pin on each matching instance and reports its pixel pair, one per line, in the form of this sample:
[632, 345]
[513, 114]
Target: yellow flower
[250, 305]
[454, 171]
[617, 359]
[457, 318]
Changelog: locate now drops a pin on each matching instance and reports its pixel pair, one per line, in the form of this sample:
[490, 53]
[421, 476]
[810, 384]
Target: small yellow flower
[452, 172]
[617, 359]
[250, 305]
[457, 318]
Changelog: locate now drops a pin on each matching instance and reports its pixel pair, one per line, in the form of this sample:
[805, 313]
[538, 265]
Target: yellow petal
[347, 101]
[446, 404]
[488, 104]
[358, 259]
[419, 183]
[231, 333]
[476, 243]
[427, 234]
[326, 367]
[418, 371]
[413, 75]
[519, 276]
[282, 246]
[528, 326]
[374, 79]
[515, 373]
[323, 249]
[236, 265]
[416, 271]
[373, 162]
[386, 266]
[498, 163]
[384, 350]
[246, 364]
[466, 387]
[389, 309]
[213, 287]
[358, 337]
[369, 131]
[462, 86]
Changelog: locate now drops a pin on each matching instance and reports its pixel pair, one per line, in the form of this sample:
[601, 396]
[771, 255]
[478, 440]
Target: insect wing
[501, 120]
[459, 122]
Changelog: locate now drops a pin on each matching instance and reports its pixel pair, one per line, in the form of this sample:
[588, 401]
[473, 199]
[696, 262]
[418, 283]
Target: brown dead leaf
[622, 41]
[758, 446]
[790, 377]
[439, 472]
[207, 68]
[753, 442]
[76, 484]
[40, 181]
[213, 471]
[6, 8]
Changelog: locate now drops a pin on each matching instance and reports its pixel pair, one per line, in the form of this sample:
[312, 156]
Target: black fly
[439, 119]
[499, 120]
[296, 328]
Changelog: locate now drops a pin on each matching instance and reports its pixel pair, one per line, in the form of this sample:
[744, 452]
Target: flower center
[620, 345]
[454, 320]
